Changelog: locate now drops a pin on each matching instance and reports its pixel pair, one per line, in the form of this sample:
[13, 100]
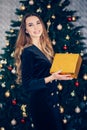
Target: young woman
[34, 54]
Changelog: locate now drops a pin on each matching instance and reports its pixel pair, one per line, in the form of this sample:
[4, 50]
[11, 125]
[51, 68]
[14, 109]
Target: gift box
[68, 63]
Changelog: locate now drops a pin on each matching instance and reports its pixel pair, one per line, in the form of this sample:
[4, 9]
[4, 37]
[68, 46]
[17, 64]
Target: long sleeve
[29, 81]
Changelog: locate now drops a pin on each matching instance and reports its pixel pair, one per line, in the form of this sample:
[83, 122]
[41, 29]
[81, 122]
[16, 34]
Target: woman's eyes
[33, 24]
[38, 23]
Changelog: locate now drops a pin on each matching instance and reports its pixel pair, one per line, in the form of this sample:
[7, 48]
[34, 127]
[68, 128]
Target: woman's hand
[57, 76]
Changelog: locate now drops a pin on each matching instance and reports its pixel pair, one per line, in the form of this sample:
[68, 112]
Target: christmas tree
[66, 38]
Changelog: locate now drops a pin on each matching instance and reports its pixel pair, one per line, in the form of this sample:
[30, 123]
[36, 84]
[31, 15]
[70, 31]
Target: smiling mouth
[37, 32]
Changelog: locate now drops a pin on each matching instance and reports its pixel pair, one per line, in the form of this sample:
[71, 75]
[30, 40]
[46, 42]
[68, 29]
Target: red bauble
[69, 19]
[76, 83]
[14, 102]
[65, 47]
[22, 121]
[9, 67]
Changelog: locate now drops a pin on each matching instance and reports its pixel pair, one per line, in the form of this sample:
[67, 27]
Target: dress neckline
[41, 52]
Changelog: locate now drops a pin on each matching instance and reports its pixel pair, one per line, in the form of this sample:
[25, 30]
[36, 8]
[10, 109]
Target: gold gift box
[68, 63]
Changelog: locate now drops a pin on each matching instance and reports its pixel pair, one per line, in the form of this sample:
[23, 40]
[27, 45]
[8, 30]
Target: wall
[7, 13]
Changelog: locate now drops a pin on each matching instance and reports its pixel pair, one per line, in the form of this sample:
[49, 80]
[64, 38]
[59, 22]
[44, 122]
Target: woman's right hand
[58, 76]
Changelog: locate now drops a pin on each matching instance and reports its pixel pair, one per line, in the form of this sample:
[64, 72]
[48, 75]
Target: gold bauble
[67, 37]
[0, 65]
[11, 30]
[85, 97]
[2, 128]
[22, 7]
[74, 18]
[12, 86]
[7, 94]
[64, 120]
[53, 16]
[85, 77]
[48, 6]
[61, 109]
[59, 86]
[20, 17]
[7, 43]
[24, 114]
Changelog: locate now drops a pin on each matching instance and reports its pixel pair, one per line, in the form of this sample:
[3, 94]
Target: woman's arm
[57, 76]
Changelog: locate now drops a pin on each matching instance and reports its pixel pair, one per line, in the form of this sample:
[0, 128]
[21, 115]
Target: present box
[68, 63]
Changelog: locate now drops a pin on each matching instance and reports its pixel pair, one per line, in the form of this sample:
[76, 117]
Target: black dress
[44, 97]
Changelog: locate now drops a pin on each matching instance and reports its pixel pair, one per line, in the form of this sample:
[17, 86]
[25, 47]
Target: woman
[34, 54]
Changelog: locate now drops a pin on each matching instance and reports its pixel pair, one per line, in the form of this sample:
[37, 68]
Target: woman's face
[34, 27]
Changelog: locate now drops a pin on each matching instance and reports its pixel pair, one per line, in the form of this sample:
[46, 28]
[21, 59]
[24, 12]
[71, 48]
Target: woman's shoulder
[28, 49]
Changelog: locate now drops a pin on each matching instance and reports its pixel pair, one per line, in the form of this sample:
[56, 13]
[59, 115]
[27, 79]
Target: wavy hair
[24, 40]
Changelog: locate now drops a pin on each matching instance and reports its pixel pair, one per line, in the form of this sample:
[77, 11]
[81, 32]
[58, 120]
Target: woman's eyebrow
[30, 23]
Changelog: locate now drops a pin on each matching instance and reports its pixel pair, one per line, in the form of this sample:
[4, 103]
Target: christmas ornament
[59, 27]
[2, 128]
[7, 94]
[13, 122]
[7, 43]
[48, 23]
[31, 2]
[68, 26]
[73, 93]
[57, 92]
[1, 66]
[61, 109]
[14, 102]
[11, 30]
[82, 54]
[20, 17]
[54, 42]
[23, 121]
[64, 120]
[53, 16]
[4, 61]
[1, 76]
[59, 86]
[23, 108]
[3, 85]
[54, 106]
[77, 42]
[9, 67]
[48, 6]
[85, 98]
[39, 10]
[65, 47]
[12, 54]
[52, 94]
[22, 7]
[77, 110]
[76, 83]
[13, 71]
[67, 37]
[32, 125]
[85, 77]
[12, 86]
[24, 114]
[73, 18]
[1, 106]
[69, 18]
